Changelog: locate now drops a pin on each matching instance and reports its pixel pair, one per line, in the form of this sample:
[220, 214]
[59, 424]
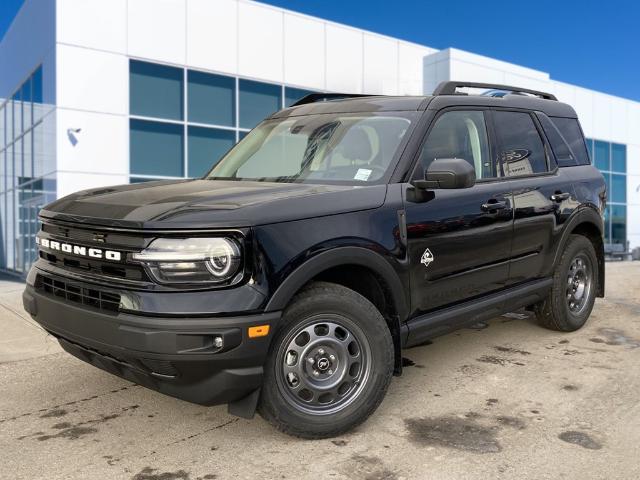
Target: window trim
[585, 140]
[540, 116]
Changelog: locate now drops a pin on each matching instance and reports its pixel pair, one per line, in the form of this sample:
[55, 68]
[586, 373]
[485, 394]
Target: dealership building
[102, 92]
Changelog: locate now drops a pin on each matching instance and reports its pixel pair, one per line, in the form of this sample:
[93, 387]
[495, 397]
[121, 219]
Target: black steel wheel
[575, 282]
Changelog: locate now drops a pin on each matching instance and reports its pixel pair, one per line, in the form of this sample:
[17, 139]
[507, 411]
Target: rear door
[459, 240]
[543, 195]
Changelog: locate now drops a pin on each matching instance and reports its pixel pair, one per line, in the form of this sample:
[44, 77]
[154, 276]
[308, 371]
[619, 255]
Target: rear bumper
[175, 356]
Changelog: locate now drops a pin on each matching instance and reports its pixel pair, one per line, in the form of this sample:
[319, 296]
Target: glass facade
[182, 120]
[611, 160]
[26, 174]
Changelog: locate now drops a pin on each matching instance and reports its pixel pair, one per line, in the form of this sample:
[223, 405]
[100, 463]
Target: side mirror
[447, 173]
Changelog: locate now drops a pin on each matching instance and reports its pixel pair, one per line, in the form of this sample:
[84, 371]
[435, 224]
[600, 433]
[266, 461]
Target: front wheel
[330, 363]
[575, 281]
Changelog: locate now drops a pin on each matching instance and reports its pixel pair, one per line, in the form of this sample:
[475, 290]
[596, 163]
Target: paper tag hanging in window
[362, 174]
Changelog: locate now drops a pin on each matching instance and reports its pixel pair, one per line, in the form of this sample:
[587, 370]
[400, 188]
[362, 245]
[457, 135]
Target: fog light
[217, 342]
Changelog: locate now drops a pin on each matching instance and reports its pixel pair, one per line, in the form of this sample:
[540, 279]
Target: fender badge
[427, 258]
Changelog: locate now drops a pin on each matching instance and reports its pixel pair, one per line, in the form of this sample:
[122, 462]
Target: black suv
[338, 232]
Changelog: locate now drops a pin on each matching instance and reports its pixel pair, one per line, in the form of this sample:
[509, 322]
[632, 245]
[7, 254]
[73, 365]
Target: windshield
[354, 148]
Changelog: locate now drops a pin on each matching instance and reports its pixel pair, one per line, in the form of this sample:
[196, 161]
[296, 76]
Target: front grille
[90, 297]
[95, 236]
[97, 268]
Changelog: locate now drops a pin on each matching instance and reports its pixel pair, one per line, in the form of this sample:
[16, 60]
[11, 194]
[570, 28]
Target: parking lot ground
[511, 400]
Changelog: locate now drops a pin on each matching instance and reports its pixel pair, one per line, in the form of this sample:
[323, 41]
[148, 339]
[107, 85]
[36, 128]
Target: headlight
[192, 260]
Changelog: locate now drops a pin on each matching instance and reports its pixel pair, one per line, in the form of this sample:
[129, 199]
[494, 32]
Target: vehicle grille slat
[90, 297]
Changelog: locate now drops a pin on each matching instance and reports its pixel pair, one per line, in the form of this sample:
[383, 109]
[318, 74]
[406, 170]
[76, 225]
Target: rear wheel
[330, 363]
[575, 281]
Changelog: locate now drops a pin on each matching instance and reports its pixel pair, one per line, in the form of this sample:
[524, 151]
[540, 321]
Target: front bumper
[175, 356]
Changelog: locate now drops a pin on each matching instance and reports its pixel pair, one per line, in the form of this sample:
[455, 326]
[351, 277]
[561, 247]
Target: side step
[448, 319]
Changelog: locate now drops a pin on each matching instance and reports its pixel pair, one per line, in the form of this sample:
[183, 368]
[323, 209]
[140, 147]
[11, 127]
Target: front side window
[460, 134]
[520, 147]
[351, 148]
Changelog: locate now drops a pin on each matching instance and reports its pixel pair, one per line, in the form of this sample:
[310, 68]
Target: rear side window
[520, 147]
[564, 154]
[570, 130]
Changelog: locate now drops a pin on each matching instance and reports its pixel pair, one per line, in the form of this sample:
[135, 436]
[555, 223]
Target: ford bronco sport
[338, 232]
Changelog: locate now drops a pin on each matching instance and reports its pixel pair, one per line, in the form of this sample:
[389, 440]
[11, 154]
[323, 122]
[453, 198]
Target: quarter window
[570, 130]
[564, 155]
[460, 134]
[520, 147]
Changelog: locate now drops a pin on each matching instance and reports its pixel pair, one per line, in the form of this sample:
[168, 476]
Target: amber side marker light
[258, 331]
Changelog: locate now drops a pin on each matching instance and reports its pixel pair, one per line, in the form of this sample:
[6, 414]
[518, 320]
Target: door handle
[494, 205]
[560, 196]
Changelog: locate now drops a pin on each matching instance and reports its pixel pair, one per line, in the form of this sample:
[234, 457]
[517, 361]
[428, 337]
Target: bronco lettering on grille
[79, 250]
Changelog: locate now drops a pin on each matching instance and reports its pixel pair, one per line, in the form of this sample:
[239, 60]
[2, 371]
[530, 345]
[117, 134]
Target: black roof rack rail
[325, 97]
[449, 88]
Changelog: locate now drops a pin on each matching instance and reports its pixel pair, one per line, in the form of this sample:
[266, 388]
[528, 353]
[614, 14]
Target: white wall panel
[344, 59]
[525, 81]
[584, 108]
[601, 116]
[380, 65]
[565, 93]
[498, 65]
[460, 70]
[92, 80]
[93, 23]
[108, 153]
[260, 46]
[71, 182]
[157, 29]
[633, 161]
[617, 119]
[304, 51]
[436, 69]
[410, 71]
[212, 35]
[633, 126]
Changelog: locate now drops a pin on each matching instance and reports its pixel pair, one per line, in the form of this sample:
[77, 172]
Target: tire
[575, 282]
[337, 335]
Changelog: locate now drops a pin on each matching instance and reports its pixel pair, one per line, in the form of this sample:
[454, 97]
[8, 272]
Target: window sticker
[362, 174]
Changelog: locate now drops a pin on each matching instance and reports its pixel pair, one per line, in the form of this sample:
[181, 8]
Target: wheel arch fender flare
[338, 257]
[585, 216]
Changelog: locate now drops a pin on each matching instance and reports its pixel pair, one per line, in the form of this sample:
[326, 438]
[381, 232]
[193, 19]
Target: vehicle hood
[210, 204]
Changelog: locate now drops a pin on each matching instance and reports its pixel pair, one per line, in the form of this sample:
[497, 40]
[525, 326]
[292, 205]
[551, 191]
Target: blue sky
[590, 43]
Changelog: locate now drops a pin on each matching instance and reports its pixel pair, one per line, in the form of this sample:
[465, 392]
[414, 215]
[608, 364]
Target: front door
[459, 240]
